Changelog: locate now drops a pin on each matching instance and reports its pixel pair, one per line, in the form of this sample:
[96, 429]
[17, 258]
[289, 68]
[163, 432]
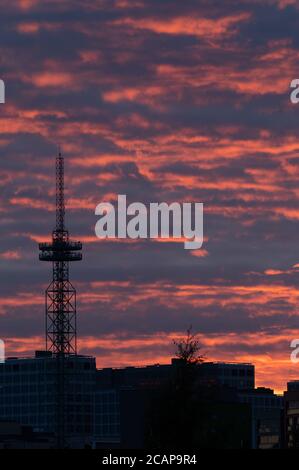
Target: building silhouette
[291, 415]
[267, 417]
[124, 397]
[109, 408]
[28, 395]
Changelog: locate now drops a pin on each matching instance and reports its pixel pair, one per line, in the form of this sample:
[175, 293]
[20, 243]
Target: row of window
[263, 402]
[105, 396]
[238, 383]
[19, 410]
[44, 380]
[107, 430]
[238, 372]
[16, 390]
[111, 418]
[106, 407]
[227, 371]
[42, 365]
[39, 409]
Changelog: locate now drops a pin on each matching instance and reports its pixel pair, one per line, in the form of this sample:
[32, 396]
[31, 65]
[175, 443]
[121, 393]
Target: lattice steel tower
[61, 334]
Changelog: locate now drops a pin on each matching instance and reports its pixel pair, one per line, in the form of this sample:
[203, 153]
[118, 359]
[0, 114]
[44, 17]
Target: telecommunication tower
[61, 329]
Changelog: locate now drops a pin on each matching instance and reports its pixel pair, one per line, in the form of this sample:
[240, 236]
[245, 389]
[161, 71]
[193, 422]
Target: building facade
[108, 408]
[239, 376]
[267, 417]
[291, 415]
[28, 394]
[123, 396]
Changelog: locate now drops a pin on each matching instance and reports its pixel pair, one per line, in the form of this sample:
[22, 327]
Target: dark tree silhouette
[188, 412]
[174, 413]
[188, 349]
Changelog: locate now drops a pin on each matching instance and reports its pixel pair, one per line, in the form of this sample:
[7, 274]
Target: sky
[161, 101]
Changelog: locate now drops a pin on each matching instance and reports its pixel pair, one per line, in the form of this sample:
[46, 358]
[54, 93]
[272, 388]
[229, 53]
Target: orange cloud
[189, 25]
[10, 255]
[48, 79]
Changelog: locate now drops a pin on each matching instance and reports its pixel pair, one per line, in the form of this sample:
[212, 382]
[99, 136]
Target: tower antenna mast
[61, 331]
[61, 327]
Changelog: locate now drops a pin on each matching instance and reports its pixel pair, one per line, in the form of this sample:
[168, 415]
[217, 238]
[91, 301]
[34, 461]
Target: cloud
[206, 28]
